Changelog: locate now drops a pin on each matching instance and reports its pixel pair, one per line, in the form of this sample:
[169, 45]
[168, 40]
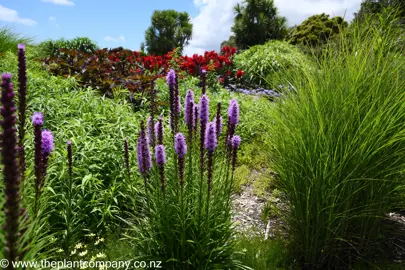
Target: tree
[375, 7]
[230, 42]
[317, 30]
[256, 22]
[170, 29]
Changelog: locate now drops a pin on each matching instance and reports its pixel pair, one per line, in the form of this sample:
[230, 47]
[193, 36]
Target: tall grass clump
[339, 147]
[9, 40]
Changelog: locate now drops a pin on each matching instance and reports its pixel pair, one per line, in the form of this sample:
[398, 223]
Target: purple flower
[150, 130]
[171, 78]
[204, 109]
[143, 153]
[189, 106]
[178, 105]
[10, 170]
[159, 130]
[211, 137]
[233, 112]
[37, 119]
[235, 141]
[196, 115]
[218, 125]
[180, 145]
[21, 46]
[160, 155]
[47, 144]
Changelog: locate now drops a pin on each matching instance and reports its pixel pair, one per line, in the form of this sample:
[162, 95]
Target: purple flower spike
[6, 76]
[211, 137]
[37, 119]
[195, 115]
[235, 142]
[204, 109]
[189, 106]
[47, 144]
[171, 78]
[160, 155]
[143, 153]
[21, 46]
[150, 130]
[233, 112]
[180, 145]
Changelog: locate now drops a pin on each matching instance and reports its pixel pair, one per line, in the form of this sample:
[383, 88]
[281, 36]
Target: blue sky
[123, 22]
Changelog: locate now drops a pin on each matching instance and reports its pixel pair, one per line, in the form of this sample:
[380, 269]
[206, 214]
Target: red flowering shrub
[105, 69]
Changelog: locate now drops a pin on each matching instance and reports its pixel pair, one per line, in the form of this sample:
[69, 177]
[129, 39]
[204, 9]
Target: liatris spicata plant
[143, 154]
[235, 143]
[204, 81]
[233, 119]
[210, 143]
[159, 130]
[22, 105]
[218, 120]
[10, 171]
[37, 121]
[180, 147]
[195, 117]
[47, 147]
[160, 157]
[174, 99]
[204, 116]
[151, 134]
[126, 157]
[200, 231]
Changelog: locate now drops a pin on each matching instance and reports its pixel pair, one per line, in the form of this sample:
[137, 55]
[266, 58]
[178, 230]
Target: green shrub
[241, 177]
[338, 147]
[262, 62]
[82, 44]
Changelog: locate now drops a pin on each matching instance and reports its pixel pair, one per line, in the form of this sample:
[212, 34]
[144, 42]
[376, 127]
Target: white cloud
[110, 38]
[213, 24]
[52, 18]
[60, 2]
[11, 15]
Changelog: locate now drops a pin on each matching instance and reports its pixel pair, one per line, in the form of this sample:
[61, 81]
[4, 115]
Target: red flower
[239, 74]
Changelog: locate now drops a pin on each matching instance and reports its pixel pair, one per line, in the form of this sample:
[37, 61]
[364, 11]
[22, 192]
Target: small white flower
[78, 245]
[101, 255]
[73, 252]
[59, 250]
[81, 254]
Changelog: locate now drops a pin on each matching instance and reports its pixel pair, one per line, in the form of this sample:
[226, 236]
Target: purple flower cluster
[189, 107]
[233, 112]
[204, 109]
[10, 169]
[37, 119]
[211, 137]
[180, 145]
[47, 144]
[143, 153]
[160, 155]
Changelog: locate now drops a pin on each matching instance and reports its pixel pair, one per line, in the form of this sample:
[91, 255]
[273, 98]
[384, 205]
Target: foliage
[102, 192]
[317, 30]
[9, 40]
[262, 254]
[170, 29]
[107, 69]
[374, 7]
[261, 63]
[338, 147]
[53, 48]
[257, 22]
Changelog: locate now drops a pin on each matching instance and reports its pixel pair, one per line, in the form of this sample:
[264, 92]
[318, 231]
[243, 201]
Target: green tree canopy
[316, 30]
[374, 7]
[256, 22]
[170, 29]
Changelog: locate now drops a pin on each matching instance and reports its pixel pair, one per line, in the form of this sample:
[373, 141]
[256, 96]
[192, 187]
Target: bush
[260, 63]
[82, 44]
[338, 147]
